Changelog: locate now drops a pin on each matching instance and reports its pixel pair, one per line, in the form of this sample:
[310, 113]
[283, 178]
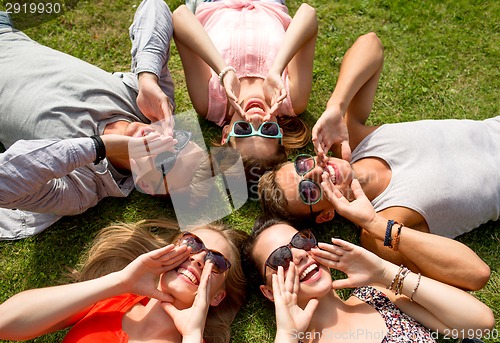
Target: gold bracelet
[396, 277]
[416, 286]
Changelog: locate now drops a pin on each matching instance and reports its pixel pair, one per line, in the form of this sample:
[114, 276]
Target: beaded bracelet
[100, 149]
[416, 286]
[397, 282]
[397, 238]
[388, 231]
[223, 73]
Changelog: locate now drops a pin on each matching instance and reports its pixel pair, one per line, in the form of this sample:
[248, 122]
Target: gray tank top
[446, 170]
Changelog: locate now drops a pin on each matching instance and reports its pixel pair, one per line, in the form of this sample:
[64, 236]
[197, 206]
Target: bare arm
[297, 52]
[351, 101]
[198, 54]
[436, 305]
[438, 257]
[35, 312]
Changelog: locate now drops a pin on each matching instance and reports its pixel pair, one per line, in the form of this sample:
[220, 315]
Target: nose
[256, 120]
[198, 259]
[314, 174]
[299, 255]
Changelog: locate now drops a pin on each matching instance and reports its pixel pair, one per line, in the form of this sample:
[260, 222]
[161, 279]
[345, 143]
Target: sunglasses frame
[289, 246]
[254, 132]
[305, 180]
[210, 252]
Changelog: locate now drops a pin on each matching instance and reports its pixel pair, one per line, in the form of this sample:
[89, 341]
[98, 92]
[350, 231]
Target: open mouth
[255, 106]
[188, 275]
[333, 171]
[309, 272]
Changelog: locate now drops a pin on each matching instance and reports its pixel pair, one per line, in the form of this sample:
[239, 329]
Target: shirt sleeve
[49, 176]
[151, 33]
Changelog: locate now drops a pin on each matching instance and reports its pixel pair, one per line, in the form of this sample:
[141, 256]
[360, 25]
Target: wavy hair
[116, 246]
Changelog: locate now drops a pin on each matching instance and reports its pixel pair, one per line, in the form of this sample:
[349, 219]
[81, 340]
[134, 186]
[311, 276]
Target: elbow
[179, 12]
[481, 276]
[311, 14]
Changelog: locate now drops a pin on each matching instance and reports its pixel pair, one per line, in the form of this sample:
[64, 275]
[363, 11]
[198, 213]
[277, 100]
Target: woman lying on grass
[137, 286]
[389, 303]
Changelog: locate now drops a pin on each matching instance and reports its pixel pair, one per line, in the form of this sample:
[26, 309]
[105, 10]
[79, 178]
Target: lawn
[442, 61]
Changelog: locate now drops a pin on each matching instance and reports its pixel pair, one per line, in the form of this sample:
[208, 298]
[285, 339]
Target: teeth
[307, 271]
[188, 274]
[331, 171]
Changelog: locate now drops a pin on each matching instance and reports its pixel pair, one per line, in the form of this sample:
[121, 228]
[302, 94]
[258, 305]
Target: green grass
[442, 61]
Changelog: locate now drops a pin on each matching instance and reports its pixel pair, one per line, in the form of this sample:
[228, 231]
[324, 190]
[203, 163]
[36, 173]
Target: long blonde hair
[116, 246]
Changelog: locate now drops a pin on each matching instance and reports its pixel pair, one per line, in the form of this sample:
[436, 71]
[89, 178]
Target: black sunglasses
[309, 191]
[282, 256]
[220, 263]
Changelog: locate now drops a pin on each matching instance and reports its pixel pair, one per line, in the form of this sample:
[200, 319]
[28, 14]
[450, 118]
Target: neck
[327, 312]
[151, 322]
[373, 175]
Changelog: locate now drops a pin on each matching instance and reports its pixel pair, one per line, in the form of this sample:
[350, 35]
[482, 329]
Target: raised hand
[361, 266]
[360, 211]
[289, 316]
[154, 103]
[274, 92]
[331, 129]
[232, 88]
[141, 275]
[191, 321]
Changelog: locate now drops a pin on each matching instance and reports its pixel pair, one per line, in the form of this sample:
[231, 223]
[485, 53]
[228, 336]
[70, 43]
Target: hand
[232, 88]
[290, 317]
[140, 276]
[142, 154]
[361, 266]
[191, 321]
[153, 103]
[331, 129]
[274, 92]
[360, 211]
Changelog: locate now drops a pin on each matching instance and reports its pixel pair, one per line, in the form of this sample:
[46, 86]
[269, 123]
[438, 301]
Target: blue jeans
[5, 21]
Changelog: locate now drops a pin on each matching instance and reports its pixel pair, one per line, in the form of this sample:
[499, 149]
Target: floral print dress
[401, 327]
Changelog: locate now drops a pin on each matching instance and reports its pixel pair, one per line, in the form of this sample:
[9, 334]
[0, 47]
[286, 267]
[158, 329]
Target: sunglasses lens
[164, 161]
[193, 242]
[220, 264]
[182, 138]
[280, 257]
[304, 240]
[242, 128]
[270, 129]
[304, 163]
[309, 192]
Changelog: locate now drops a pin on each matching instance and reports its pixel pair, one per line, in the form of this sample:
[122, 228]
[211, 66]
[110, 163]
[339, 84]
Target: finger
[342, 283]
[330, 248]
[346, 151]
[157, 253]
[281, 280]
[311, 307]
[170, 309]
[290, 277]
[357, 190]
[346, 246]
[157, 294]
[329, 262]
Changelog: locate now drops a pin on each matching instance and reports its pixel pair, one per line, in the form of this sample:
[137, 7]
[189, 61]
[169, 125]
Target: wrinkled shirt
[41, 177]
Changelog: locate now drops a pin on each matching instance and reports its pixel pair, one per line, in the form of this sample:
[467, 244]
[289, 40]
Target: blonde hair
[296, 132]
[116, 246]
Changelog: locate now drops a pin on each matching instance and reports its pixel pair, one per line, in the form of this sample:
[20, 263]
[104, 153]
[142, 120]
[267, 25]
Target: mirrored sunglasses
[220, 263]
[310, 191]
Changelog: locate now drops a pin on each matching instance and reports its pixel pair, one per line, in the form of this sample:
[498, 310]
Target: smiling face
[315, 279]
[182, 282]
[339, 171]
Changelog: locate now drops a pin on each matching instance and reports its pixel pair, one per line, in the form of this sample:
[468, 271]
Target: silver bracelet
[223, 73]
